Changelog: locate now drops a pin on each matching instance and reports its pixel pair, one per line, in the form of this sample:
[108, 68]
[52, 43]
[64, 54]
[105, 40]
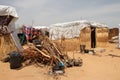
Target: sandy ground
[95, 67]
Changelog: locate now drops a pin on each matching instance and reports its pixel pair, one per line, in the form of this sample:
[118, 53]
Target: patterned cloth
[30, 32]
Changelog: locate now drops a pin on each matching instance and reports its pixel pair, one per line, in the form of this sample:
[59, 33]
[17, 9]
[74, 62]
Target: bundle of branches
[35, 55]
[49, 54]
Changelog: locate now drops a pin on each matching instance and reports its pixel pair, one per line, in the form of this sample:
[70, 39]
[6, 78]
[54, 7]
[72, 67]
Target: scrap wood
[49, 53]
[34, 56]
[38, 55]
[50, 50]
[57, 49]
[32, 53]
[52, 45]
[40, 52]
[54, 56]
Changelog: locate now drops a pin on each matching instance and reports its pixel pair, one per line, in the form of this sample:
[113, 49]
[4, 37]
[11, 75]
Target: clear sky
[47, 12]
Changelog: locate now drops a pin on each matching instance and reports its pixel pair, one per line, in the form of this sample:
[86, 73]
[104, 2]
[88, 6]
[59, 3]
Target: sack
[15, 60]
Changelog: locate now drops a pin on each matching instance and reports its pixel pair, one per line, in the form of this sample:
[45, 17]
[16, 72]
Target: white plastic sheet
[70, 29]
[8, 10]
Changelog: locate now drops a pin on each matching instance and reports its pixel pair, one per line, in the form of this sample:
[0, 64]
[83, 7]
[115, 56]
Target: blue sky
[47, 12]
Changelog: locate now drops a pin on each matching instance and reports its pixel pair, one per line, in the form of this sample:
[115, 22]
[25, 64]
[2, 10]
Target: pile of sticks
[49, 54]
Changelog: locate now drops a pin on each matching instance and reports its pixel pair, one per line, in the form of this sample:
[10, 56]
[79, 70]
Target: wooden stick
[41, 52]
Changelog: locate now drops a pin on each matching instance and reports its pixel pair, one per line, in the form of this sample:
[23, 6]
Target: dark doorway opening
[93, 37]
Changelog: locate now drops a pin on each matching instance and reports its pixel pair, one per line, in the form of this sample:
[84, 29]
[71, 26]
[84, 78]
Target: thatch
[72, 44]
[85, 39]
[81, 29]
[85, 36]
[101, 36]
[6, 45]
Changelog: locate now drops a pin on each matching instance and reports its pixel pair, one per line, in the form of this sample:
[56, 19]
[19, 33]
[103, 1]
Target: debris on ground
[43, 52]
[113, 55]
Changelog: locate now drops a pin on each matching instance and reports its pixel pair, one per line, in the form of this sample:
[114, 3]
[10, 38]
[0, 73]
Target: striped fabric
[30, 32]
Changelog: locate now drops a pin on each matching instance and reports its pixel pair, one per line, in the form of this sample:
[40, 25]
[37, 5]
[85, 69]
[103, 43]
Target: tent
[81, 29]
[68, 29]
[8, 34]
[5, 12]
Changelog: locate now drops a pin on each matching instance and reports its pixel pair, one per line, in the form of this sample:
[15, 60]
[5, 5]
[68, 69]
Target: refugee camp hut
[85, 36]
[113, 32]
[91, 34]
[67, 29]
[68, 33]
[8, 38]
[95, 35]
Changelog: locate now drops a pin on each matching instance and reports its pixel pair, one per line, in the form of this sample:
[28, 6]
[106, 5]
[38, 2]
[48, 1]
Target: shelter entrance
[93, 37]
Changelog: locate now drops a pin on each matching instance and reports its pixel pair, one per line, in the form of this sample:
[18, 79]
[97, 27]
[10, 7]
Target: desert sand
[95, 67]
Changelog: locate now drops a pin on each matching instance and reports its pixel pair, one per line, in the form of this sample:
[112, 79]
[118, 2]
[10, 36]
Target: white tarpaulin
[70, 29]
[8, 10]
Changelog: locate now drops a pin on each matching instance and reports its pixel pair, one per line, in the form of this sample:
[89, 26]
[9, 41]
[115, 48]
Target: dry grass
[69, 44]
[102, 37]
[6, 45]
[85, 39]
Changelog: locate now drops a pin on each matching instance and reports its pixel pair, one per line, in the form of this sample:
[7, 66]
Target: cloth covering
[30, 32]
[70, 29]
[8, 11]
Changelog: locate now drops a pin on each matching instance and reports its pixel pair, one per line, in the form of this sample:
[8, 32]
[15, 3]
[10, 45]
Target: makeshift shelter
[95, 35]
[8, 35]
[68, 29]
[82, 29]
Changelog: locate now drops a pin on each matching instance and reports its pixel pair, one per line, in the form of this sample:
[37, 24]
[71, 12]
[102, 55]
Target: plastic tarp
[39, 27]
[8, 10]
[70, 29]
